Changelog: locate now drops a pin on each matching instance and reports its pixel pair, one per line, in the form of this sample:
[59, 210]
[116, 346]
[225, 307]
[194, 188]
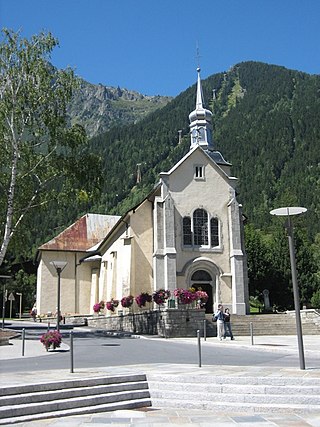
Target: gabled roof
[122, 219]
[85, 233]
[212, 156]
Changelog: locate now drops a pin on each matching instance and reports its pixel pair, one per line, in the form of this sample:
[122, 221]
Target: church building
[188, 232]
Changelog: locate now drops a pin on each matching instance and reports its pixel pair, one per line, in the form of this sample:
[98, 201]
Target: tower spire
[199, 100]
[200, 121]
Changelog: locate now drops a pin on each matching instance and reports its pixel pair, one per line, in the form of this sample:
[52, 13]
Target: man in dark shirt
[227, 324]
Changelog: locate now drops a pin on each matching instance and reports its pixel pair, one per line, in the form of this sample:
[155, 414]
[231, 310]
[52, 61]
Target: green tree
[315, 299]
[269, 265]
[307, 270]
[258, 261]
[25, 284]
[41, 158]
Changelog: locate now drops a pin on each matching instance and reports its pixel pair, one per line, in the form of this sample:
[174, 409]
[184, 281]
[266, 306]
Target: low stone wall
[6, 335]
[168, 323]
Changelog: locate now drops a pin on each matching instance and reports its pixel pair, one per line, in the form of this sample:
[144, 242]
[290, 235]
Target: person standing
[34, 312]
[227, 324]
[219, 317]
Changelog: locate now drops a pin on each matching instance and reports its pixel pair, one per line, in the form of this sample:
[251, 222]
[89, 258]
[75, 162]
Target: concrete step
[232, 407]
[243, 397]
[236, 393]
[73, 396]
[58, 385]
[269, 324]
[240, 389]
[131, 404]
[235, 380]
[69, 393]
[19, 409]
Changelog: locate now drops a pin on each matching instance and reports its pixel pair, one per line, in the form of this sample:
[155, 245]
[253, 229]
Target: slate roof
[217, 157]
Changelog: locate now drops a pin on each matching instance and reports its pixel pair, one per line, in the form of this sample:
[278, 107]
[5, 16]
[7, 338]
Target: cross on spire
[198, 56]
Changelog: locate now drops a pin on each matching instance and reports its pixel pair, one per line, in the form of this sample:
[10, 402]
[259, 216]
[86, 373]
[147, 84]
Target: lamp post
[288, 212]
[4, 299]
[59, 266]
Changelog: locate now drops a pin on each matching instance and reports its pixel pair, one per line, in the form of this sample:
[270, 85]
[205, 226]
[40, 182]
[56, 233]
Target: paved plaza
[166, 417]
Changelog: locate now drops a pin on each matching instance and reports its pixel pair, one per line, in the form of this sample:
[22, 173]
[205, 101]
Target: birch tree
[37, 148]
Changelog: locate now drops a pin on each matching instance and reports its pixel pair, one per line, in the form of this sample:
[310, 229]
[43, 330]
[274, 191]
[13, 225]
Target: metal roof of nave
[86, 232]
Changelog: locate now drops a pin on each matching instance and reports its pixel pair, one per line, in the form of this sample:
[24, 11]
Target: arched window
[200, 227]
[187, 236]
[201, 276]
[214, 231]
[200, 230]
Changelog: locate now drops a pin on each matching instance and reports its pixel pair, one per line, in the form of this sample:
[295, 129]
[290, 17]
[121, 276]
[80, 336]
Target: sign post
[4, 299]
[11, 298]
[20, 308]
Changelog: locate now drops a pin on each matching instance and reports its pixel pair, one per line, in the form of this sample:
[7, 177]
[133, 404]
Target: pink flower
[160, 296]
[98, 306]
[51, 339]
[143, 298]
[111, 305]
[127, 301]
[202, 295]
[185, 296]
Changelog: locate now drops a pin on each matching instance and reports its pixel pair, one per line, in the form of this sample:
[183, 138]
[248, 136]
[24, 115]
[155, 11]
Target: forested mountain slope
[272, 137]
[266, 123]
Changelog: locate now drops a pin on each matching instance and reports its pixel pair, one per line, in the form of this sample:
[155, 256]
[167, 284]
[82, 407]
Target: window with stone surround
[201, 230]
[199, 172]
[187, 234]
[200, 227]
[214, 232]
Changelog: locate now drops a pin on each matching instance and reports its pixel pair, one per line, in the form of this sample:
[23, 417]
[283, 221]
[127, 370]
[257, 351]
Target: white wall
[75, 283]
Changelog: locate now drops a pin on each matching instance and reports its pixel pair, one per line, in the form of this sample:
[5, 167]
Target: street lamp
[288, 212]
[59, 266]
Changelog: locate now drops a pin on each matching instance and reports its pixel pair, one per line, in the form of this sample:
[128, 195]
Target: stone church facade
[188, 232]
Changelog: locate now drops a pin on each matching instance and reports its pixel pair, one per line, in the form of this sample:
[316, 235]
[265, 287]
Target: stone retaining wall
[168, 323]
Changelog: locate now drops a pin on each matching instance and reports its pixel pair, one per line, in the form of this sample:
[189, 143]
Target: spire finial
[199, 101]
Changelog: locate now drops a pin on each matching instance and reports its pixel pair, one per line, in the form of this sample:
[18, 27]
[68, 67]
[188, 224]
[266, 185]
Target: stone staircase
[270, 324]
[72, 397]
[235, 393]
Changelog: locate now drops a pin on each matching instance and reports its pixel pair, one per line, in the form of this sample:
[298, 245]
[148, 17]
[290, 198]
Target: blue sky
[150, 45]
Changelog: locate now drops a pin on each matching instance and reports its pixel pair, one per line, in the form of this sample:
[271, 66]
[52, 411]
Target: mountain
[266, 122]
[99, 107]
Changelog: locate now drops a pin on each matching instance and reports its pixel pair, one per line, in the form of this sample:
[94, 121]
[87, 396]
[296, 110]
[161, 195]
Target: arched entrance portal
[201, 279]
